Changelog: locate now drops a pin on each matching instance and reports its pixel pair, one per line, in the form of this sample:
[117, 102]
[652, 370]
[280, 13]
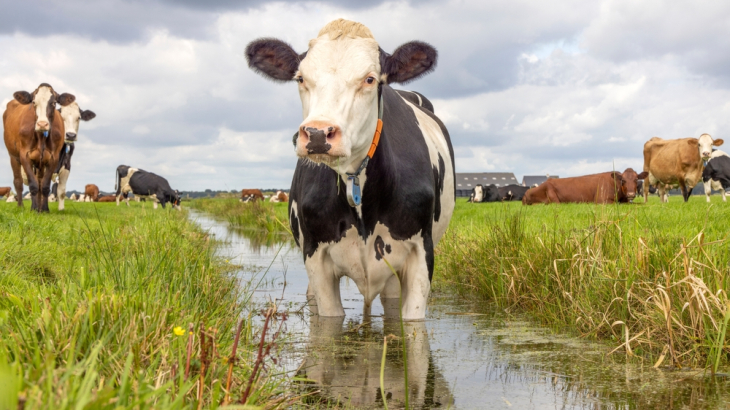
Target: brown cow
[92, 191]
[34, 134]
[603, 188]
[5, 191]
[108, 198]
[251, 195]
[676, 162]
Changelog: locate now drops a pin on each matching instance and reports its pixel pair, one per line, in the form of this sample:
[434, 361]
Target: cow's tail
[118, 183]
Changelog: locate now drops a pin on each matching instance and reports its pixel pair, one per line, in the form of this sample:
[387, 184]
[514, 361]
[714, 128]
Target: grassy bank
[96, 304]
[259, 215]
[653, 278]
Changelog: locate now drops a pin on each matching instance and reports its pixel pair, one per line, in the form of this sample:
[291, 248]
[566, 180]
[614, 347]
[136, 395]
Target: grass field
[96, 304]
[651, 277]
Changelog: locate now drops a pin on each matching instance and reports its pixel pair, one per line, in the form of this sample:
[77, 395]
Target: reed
[652, 278]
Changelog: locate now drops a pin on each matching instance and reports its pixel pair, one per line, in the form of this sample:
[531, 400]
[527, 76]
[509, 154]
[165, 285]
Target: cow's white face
[478, 193]
[72, 116]
[43, 102]
[338, 86]
[338, 79]
[705, 145]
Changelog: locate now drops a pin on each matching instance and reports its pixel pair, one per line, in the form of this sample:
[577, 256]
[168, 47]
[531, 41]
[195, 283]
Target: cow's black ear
[643, 175]
[272, 58]
[23, 97]
[87, 115]
[409, 62]
[66, 99]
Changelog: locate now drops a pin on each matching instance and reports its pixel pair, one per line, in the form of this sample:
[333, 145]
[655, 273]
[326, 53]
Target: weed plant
[105, 307]
[651, 277]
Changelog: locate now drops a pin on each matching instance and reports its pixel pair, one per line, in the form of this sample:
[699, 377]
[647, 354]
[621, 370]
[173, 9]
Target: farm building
[532, 180]
[466, 181]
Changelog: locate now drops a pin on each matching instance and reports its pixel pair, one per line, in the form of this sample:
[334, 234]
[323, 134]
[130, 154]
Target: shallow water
[463, 356]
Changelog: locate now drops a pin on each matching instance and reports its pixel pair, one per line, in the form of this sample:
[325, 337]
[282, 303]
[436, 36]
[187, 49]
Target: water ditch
[463, 356]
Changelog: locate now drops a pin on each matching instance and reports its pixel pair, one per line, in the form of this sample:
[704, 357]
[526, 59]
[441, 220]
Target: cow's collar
[354, 196]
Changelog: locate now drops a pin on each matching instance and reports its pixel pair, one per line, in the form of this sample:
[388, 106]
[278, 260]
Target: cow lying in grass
[603, 188]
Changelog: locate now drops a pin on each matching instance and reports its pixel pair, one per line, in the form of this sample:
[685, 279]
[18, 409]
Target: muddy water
[463, 356]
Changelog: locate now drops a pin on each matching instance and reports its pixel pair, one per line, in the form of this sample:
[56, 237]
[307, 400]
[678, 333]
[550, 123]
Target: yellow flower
[178, 331]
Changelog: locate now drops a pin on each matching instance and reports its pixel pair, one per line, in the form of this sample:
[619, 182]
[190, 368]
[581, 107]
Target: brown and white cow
[108, 198]
[251, 195]
[5, 191]
[92, 192]
[34, 135]
[680, 162]
[603, 188]
[279, 196]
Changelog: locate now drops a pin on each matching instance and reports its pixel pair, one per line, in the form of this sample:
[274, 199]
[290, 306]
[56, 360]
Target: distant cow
[72, 116]
[108, 198]
[5, 191]
[251, 195]
[92, 191]
[713, 183]
[679, 161]
[279, 197]
[144, 184]
[11, 198]
[484, 193]
[717, 171]
[34, 134]
[512, 192]
[603, 188]
[640, 188]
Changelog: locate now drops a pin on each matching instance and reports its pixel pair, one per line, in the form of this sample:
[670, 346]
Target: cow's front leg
[45, 177]
[325, 286]
[32, 181]
[708, 189]
[415, 281]
[61, 191]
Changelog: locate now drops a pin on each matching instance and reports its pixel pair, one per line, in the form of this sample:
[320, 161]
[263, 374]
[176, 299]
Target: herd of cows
[668, 164]
[373, 188]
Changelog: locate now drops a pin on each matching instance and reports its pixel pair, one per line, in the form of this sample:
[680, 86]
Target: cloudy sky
[561, 87]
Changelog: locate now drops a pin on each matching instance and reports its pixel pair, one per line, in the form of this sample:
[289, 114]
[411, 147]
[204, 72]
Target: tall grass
[653, 278]
[105, 307]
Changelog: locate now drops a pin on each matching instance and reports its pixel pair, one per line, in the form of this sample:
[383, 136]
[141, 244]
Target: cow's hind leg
[17, 180]
[415, 281]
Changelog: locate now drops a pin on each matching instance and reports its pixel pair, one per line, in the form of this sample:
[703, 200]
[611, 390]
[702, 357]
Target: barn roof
[468, 180]
[530, 180]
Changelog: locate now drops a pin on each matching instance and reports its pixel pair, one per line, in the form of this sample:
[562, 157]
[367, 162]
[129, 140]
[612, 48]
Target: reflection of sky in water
[486, 360]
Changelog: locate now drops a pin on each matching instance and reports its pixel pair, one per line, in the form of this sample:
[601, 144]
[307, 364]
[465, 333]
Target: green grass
[89, 298]
[655, 274]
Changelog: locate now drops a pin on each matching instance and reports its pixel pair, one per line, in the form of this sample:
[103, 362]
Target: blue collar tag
[45, 134]
[354, 197]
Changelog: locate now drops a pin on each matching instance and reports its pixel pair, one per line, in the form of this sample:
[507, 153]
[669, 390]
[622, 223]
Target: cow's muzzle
[318, 137]
[42, 126]
[70, 137]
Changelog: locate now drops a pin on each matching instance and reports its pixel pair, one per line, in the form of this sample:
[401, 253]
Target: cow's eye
[300, 79]
[370, 80]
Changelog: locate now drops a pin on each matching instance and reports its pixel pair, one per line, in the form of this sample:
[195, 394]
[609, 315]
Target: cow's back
[672, 161]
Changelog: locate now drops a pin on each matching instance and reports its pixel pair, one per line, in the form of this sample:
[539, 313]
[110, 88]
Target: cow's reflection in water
[344, 361]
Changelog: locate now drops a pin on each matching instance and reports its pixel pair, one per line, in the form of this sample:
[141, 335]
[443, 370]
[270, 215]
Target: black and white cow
[407, 186]
[144, 184]
[72, 115]
[484, 193]
[512, 192]
[717, 174]
[713, 183]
